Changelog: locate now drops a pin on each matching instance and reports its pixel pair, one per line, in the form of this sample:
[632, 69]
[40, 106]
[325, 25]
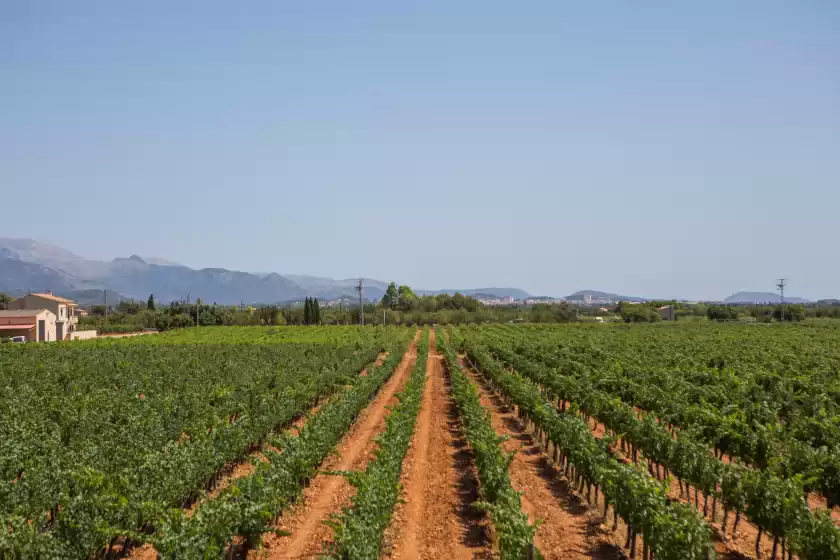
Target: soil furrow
[306, 534]
[569, 529]
[435, 519]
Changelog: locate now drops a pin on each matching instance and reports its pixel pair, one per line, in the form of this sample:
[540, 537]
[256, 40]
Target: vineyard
[512, 441]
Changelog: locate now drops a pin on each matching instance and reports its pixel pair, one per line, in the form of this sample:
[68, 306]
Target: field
[576, 441]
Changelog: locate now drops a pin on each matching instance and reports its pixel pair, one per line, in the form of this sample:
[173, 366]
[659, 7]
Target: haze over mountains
[29, 265]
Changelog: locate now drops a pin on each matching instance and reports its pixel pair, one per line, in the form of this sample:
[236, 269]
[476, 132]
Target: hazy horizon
[653, 150]
[607, 289]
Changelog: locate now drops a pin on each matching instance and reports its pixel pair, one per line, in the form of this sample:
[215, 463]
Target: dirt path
[327, 494]
[570, 530]
[818, 502]
[436, 519]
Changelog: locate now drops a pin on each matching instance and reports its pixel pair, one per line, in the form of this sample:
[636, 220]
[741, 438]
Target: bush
[721, 313]
[638, 313]
[789, 312]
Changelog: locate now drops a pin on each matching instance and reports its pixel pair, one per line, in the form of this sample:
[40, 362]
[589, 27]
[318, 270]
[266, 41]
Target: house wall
[49, 326]
[32, 334]
[82, 335]
[62, 311]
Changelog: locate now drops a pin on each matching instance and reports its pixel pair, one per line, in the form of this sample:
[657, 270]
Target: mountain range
[761, 297]
[29, 265]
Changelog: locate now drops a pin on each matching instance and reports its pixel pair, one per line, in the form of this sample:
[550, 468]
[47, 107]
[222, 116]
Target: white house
[36, 325]
[63, 309]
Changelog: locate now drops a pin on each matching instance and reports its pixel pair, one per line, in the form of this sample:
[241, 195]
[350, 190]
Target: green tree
[317, 311]
[407, 299]
[391, 296]
[721, 313]
[5, 300]
[307, 312]
[150, 304]
[638, 313]
[789, 312]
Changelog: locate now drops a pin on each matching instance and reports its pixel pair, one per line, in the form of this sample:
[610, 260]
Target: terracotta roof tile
[22, 313]
[54, 298]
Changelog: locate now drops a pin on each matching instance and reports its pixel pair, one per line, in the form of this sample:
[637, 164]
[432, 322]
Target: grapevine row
[95, 506]
[772, 503]
[670, 530]
[249, 506]
[359, 527]
[762, 432]
[499, 499]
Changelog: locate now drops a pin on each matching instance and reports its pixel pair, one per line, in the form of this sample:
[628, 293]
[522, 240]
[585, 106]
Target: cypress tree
[307, 312]
[317, 307]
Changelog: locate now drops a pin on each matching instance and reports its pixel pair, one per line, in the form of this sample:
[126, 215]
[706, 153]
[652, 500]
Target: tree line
[400, 305]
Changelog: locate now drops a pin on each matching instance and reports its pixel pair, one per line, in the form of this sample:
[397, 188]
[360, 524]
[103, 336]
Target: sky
[656, 149]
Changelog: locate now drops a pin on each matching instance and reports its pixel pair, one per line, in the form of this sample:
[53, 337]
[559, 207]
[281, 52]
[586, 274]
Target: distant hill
[595, 294]
[39, 252]
[20, 277]
[30, 265]
[160, 261]
[94, 297]
[328, 288]
[137, 279]
[761, 297]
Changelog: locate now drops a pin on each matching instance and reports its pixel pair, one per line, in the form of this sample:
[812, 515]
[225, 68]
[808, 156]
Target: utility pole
[781, 286]
[361, 289]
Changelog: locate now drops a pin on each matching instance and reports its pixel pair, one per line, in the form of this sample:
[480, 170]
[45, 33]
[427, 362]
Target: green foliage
[789, 312]
[722, 313]
[249, 506]
[771, 491]
[150, 304]
[673, 531]
[391, 296]
[551, 313]
[358, 528]
[498, 498]
[101, 438]
[638, 313]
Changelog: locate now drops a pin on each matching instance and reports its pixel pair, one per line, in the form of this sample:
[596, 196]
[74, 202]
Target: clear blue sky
[673, 149]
